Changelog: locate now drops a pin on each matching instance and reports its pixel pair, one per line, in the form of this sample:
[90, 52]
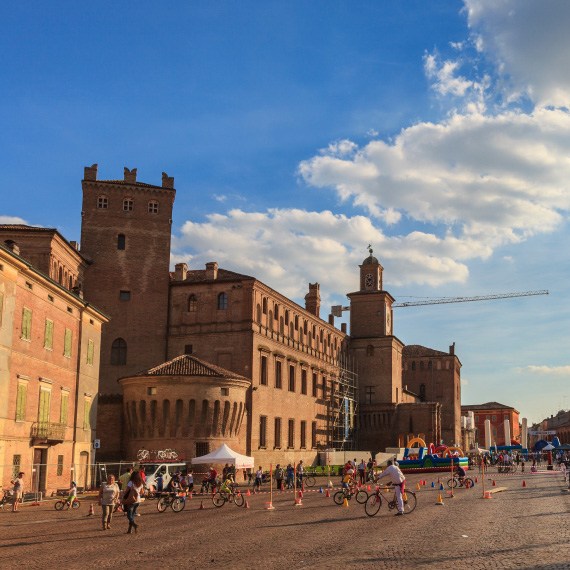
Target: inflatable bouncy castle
[422, 458]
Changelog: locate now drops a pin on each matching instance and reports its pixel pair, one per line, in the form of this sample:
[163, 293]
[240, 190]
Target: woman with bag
[132, 499]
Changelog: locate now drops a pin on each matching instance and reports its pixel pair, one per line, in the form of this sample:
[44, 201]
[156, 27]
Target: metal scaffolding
[344, 407]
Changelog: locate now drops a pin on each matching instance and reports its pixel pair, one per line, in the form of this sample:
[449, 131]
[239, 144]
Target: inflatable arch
[451, 451]
[414, 440]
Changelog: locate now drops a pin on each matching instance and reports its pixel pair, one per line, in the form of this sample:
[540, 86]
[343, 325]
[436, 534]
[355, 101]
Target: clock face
[368, 280]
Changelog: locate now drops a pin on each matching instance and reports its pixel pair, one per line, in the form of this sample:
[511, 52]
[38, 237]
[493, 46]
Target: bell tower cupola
[371, 273]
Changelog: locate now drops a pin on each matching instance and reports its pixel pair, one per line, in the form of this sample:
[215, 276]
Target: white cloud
[13, 220]
[547, 370]
[528, 41]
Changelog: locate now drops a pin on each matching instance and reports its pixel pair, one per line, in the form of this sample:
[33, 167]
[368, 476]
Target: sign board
[96, 444]
[547, 432]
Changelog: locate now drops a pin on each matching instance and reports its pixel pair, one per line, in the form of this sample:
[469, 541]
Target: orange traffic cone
[247, 504]
[418, 487]
[327, 494]
[299, 502]
[201, 507]
[91, 510]
[368, 488]
[476, 480]
[524, 483]
[248, 494]
[439, 499]
[345, 503]
[269, 506]
[190, 495]
[487, 495]
[494, 484]
[300, 494]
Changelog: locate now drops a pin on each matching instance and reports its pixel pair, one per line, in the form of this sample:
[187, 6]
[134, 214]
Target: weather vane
[370, 248]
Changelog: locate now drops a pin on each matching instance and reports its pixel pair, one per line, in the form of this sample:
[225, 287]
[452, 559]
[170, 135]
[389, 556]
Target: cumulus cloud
[547, 370]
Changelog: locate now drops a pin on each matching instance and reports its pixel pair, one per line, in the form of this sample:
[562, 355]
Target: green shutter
[44, 408]
[86, 414]
[64, 404]
[90, 351]
[27, 324]
[48, 335]
[21, 398]
[67, 343]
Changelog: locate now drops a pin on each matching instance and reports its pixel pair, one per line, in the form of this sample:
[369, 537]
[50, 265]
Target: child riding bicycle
[72, 493]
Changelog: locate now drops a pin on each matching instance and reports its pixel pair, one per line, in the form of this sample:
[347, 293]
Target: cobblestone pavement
[521, 527]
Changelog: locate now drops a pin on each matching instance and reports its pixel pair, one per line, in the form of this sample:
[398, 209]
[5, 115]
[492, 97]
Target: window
[124, 295]
[225, 392]
[202, 448]
[222, 301]
[369, 350]
[264, 305]
[121, 241]
[192, 304]
[369, 395]
[314, 434]
[153, 207]
[315, 388]
[324, 388]
[59, 465]
[304, 382]
[119, 352]
[263, 371]
[291, 435]
[64, 407]
[188, 349]
[21, 399]
[277, 432]
[26, 324]
[278, 371]
[291, 378]
[303, 434]
[90, 351]
[16, 465]
[102, 202]
[67, 343]
[44, 405]
[263, 431]
[48, 335]
[128, 204]
[423, 392]
[87, 413]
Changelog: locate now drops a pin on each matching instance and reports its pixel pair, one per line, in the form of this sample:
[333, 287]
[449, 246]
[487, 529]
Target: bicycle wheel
[162, 504]
[372, 505]
[59, 505]
[310, 481]
[410, 502]
[76, 504]
[239, 500]
[178, 504]
[361, 496]
[218, 499]
[452, 483]
[339, 497]
[468, 482]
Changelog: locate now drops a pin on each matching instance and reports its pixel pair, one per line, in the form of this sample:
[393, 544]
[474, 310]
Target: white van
[152, 471]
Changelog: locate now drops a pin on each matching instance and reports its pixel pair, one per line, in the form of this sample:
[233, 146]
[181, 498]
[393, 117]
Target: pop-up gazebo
[225, 454]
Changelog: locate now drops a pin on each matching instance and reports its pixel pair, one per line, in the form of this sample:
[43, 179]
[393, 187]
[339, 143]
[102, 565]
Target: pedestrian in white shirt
[398, 479]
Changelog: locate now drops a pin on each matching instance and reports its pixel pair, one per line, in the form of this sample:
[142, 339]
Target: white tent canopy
[225, 454]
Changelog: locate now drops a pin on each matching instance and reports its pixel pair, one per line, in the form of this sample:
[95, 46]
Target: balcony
[48, 431]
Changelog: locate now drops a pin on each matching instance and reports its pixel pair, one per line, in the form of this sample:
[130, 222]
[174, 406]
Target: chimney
[313, 299]
[331, 320]
[452, 349]
[130, 175]
[180, 270]
[343, 328]
[90, 172]
[167, 181]
[212, 270]
[74, 245]
[12, 246]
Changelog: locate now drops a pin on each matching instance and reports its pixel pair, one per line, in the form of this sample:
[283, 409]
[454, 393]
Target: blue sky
[300, 132]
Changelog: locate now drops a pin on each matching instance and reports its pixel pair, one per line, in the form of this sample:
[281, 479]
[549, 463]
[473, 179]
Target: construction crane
[337, 310]
[443, 300]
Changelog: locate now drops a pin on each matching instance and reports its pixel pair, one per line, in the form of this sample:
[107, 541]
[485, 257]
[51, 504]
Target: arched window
[296, 323]
[119, 352]
[102, 202]
[286, 318]
[192, 304]
[121, 241]
[369, 350]
[128, 204]
[421, 365]
[70, 282]
[258, 316]
[423, 392]
[60, 276]
[264, 304]
[305, 327]
[153, 207]
[429, 365]
[270, 319]
[222, 301]
[276, 312]
[414, 365]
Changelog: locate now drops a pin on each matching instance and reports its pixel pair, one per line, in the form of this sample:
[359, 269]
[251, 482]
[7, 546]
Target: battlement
[129, 177]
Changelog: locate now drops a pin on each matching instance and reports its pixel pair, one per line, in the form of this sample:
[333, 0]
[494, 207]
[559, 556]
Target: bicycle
[228, 496]
[466, 482]
[175, 501]
[308, 480]
[506, 468]
[7, 498]
[374, 501]
[360, 494]
[64, 504]
[209, 486]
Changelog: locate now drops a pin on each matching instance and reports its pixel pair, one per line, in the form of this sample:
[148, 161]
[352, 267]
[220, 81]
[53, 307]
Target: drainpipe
[77, 381]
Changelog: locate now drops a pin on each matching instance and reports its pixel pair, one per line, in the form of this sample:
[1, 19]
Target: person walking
[362, 472]
[279, 477]
[300, 471]
[132, 499]
[258, 480]
[108, 497]
[18, 491]
[125, 478]
[290, 476]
